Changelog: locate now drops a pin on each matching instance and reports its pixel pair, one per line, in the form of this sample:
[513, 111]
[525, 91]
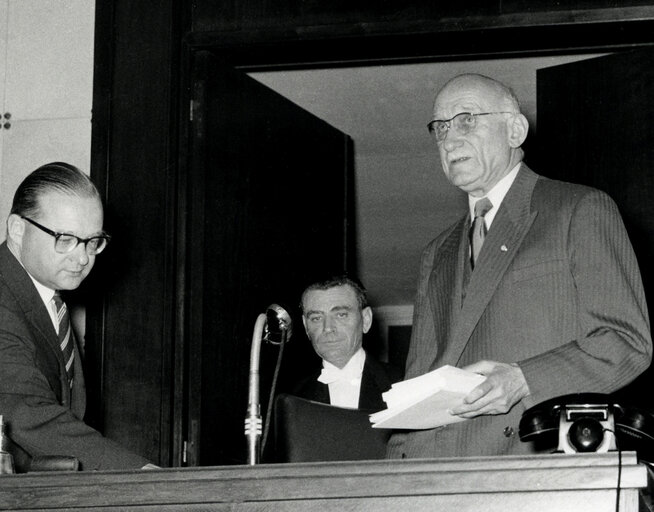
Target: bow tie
[333, 374]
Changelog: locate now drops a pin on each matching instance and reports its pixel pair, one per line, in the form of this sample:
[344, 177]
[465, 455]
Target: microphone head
[279, 325]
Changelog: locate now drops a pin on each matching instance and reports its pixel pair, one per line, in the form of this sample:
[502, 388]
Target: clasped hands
[505, 386]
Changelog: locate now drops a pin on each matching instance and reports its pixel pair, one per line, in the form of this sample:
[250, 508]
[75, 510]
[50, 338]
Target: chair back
[308, 431]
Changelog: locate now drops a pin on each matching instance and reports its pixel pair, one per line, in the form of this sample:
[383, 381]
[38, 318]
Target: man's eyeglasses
[65, 243]
[464, 123]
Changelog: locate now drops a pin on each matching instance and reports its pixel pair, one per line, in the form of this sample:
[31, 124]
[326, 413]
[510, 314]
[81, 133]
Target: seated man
[54, 233]
[335, 315]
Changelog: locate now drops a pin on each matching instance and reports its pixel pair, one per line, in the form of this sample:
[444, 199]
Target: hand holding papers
[423, 402]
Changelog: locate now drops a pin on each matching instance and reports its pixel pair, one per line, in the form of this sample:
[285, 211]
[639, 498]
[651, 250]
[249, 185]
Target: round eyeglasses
[65, 242]
[463, 123]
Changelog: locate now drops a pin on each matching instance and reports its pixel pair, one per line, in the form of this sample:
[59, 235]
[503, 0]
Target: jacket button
[508, 431]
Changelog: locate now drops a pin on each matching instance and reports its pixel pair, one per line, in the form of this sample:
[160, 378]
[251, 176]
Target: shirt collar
[496, 195]
[46, 293]
[354, 366]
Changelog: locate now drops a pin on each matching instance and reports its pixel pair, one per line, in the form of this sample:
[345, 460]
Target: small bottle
[6, 460]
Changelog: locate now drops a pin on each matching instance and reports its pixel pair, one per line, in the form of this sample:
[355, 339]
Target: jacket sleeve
[35, 419]
[614, 345]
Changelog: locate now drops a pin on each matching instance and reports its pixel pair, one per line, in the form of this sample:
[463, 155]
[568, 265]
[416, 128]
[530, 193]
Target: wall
[46, 91]
[46, 84]
[403, 198]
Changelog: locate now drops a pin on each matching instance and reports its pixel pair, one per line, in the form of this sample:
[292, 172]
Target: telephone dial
[589, 422]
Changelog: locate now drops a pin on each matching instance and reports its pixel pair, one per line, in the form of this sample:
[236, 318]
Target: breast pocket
[542, 298]
[538, 270]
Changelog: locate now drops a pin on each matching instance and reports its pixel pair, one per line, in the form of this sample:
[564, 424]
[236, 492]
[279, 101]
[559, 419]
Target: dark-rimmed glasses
[464, 123]
[65, 242]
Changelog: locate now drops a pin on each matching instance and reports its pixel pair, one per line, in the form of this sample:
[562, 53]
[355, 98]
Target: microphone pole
[253, 419]
[278, 327]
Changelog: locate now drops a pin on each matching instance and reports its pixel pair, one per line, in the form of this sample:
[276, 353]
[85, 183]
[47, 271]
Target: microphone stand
[253, 419]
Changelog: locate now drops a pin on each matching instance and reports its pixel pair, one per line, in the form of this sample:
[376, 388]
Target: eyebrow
[67, 232]
[71, 233]
[335, 308]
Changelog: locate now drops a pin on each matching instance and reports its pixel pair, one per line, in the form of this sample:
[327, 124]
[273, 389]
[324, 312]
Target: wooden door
[269, 206]
[596, 126]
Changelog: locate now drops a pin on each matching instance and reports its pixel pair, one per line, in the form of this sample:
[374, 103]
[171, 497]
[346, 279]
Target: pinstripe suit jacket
[44, 414]
[556, 289]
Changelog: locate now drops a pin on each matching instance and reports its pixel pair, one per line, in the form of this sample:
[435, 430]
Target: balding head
[478, 150]
[488, 91]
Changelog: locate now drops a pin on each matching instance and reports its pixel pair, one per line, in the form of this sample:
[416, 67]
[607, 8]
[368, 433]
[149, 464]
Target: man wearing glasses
[537, 287]
[54, 233]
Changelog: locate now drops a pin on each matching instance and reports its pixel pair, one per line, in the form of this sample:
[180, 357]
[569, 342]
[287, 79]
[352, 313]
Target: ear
[304, 322]
[518, 128]
[15, 229]
[366, 313]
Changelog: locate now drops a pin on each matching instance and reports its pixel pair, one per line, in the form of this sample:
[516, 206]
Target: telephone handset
[589, 422]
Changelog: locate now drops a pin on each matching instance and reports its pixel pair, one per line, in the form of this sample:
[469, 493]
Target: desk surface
[546, 482]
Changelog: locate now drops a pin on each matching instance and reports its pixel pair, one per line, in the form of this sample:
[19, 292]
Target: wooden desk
[533, 483]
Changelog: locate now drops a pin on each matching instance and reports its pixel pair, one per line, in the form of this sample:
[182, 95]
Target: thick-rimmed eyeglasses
[65, 242]
[463, 123]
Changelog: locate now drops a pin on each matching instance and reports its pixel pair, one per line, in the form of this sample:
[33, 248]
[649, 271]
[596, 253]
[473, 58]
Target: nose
[452, 140]
[80, 254]
[329, 324]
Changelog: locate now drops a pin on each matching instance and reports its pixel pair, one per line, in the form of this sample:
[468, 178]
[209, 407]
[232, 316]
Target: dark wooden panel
[271, 181]
[576, 5]
[398, 16]
[262, 40]
[129, 341]
[595, 127]
[582, 482]
[235, 14]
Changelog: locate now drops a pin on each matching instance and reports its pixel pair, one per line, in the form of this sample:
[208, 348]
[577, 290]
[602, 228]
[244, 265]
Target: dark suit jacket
[556, 289]
[43, 414]
[377, 378]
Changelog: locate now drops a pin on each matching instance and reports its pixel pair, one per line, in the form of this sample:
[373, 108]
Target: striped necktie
[478, 231]
[65, 335]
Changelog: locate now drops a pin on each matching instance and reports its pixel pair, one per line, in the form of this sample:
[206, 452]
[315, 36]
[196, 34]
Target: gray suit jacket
[44, 415]
[556, 289]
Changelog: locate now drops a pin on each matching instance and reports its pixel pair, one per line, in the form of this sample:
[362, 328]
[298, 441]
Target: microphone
[275, 326]
[279, 325]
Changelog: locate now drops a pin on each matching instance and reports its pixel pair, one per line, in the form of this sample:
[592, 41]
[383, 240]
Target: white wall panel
[29, 144]
[49, 68]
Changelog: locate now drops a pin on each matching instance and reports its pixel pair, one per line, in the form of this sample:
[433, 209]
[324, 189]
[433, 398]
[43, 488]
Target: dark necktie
[478, 231]
[65, 335]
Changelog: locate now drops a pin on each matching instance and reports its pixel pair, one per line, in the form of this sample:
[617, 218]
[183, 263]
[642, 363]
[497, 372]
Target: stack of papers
[423, 402]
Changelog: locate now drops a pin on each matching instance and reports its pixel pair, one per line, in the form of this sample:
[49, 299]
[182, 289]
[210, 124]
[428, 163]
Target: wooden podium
[533, 483]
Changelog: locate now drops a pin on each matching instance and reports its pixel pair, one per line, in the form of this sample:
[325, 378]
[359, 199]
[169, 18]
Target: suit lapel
[30, 302]
[374, 381]
[509, 228]
[321, 392]
[447, 274]
[367, 388]
[78, 391]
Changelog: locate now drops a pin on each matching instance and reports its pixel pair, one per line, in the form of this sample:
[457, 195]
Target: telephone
[589, 422]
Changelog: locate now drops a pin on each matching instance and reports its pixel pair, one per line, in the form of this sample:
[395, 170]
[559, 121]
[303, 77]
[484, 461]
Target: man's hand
[505, 386]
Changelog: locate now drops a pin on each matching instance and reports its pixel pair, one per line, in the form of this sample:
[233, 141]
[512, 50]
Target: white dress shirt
[47, 295]
[344, 383]
[495, 195]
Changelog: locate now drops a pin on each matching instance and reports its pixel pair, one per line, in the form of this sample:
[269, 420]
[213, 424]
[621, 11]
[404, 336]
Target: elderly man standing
[54, 233]
[336, 315]
[537, 287]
